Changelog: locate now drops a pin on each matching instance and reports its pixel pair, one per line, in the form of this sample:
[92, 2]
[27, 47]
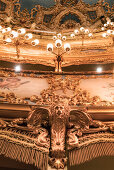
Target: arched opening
[70, 16]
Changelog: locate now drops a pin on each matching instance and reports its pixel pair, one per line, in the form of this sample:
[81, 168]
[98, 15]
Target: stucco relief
[37, 14]
[53, 131]
[75, 90]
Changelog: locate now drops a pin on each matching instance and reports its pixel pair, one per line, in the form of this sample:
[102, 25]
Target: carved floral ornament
[36, 19]
[51, 132]
[64, 84]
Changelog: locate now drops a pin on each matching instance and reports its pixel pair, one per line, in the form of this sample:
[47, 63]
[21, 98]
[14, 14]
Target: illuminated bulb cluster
[59, 36]
[58, 43]
[5, 30]
[108, 33]
[109, 24]
[12, 34]
[82, 30]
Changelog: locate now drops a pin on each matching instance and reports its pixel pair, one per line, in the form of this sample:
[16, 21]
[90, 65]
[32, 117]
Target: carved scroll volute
[79, 122]
[37, 122]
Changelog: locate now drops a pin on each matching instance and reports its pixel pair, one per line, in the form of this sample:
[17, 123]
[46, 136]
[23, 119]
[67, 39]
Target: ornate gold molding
[57, 83]
[38, 13]
[53, 130]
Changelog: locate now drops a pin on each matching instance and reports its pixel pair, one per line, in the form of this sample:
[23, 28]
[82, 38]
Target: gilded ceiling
[64, 17]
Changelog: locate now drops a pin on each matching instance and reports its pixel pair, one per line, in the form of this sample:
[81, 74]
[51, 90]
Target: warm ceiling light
[54, 38]
[105, 25]
[76, 31]
[90, 34]
[3, 30]
[104, 35]
[58, 43]
[86, 31]
[28, 36]
[8, 40]
[72, 35]
[35, 42]
[50, 47]
[21, 31]
[17, 68]
[108, 22]
[0, 27]
[13, 34]
[82, 29]
[59, 35]
[99, 69]
[67, 47]
[102, 28]
[111, 23]
[64, 38]
[109, 31]
[8, 29]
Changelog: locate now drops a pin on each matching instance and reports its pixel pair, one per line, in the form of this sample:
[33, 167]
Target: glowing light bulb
[64, 38]
[109, 31]
[72, 35]
[8, 29]
[86, 31]
[59, 35]
[28, 36]
[8, 40]
[35, 42]
[90, 34]
[13, 34]
[82, 29]
[105, 25]
[18, 68]
[21, 31]
[3, 30]
[67, 47]
[102, 28]
[108, 22]
[104, 35]
[76, 31]
[58, 43]
[54, 38]
[99, 69]
[50, 47]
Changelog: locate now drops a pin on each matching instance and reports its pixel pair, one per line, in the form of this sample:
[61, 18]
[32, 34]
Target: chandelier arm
[54, 53]
[63, 53]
